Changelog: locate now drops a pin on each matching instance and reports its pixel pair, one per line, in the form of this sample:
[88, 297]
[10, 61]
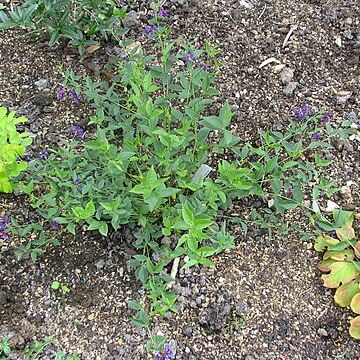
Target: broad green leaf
[187, 215]
[354, 329]
[340, 255]
[345, 233]
[346, 292]
[342, 272]
[355, 303]
[323, 241]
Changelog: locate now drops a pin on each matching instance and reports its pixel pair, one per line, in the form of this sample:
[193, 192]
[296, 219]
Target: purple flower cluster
[163, 13]
[3, 226]
[76, 183]
[149, 29]
[75, 98]
[61, 94]
[316, 136]
[77, 131]
[289, 192]
[166, 354]
[326, 117]
[190, 56]
[54, 224]
[44, 155]
[304, 112]
[203, 66]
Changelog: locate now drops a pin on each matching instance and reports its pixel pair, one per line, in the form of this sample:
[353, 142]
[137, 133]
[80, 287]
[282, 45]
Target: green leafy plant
[341, 263]
[12, 146]
[5, 349]
[81, 21]
[59, 286]
[36, 349]
[157, 137]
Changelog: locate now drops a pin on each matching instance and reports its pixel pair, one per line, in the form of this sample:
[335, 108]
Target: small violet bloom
[77, 131]
[60, 92]
[189, 56]
[289, 192]
[75, 98]
[203, 66]
[4, 236]
[149, 29]
[304, 112]
[54, 224]
[352, 115]
[44, 155]
[163, 12]
[76, 181]
[326, 117]
[166, 354]
[6, 219]
[316, 136]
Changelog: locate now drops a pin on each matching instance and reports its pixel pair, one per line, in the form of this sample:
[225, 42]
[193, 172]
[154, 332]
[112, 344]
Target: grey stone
[187, 331]
[286, 75]
[289, 88]
[131, 21]
[42, 84]
[42, 99]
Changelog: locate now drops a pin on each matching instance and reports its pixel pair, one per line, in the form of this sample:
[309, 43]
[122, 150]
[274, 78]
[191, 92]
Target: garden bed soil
[262, 300]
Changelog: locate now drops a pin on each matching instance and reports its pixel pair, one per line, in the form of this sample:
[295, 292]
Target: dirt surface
[264, 299]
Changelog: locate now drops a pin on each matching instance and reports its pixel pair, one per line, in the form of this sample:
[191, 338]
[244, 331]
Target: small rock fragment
[322, 332]
[131, 21]
[331, 206]
[289, 88]
[286, 75]
[41, 84]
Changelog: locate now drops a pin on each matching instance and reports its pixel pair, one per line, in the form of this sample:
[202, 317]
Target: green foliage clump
[80, 21]
[157, 136]
[341, 263]
[12, 146]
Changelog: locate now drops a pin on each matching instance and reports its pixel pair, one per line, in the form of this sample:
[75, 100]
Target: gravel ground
[263, 300]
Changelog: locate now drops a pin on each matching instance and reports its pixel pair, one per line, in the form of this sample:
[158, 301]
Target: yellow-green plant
[341, 263]
[12, 146]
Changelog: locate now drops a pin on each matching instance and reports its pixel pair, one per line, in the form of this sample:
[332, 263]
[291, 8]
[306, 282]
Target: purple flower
[189, 56]
[54, 224]
[77, 131]
[6, 219]
[326, 117]
[44, 155]
[28, 158]
[203, 66]
[352, 115]
[4, 236]
[76, 181]
[149, 29]
[75, 98]
[304, 112]
[163, 12]
[167, 353]
[316, 136]
[2, 226]
[60, 92]
[289, 192]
